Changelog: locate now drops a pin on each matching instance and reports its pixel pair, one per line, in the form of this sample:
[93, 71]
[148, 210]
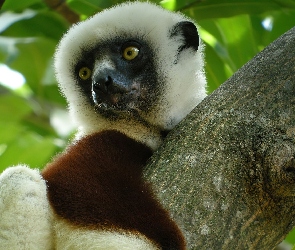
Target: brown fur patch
[97, 183]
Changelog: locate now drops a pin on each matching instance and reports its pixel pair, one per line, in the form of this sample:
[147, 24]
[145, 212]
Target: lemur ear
[189, 32]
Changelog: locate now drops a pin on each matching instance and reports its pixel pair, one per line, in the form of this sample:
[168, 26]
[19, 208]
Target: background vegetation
[34, 124]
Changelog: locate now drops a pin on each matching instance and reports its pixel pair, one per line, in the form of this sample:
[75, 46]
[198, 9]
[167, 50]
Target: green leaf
[281, 23]
[34, 58]
[30, 56]
[84, 7]
[232, 40]
[19, 5]
[30, 149]
[13, 108]
[90, 7]
[215, 71]
[53, 95]
[291, 237]
[241, 43]
[8, 18]
[204, 9]
[35, 24]
[8, 51]
[9, 131]
[287, 3]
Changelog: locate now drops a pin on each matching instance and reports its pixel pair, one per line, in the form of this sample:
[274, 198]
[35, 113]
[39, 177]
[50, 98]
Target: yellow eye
[130, 53]
[84, 73]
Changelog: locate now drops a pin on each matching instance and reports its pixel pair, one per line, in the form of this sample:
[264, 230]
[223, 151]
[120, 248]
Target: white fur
[184, 82]
[72, 238]
[25, 216]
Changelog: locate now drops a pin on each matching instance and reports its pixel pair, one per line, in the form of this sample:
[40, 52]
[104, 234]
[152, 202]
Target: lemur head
[136, 68]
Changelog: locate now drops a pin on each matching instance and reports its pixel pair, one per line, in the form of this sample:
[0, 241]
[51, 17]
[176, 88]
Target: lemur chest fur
[97, 183]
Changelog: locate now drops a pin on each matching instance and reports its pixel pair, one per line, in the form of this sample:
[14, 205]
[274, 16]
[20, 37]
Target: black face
[119, 78]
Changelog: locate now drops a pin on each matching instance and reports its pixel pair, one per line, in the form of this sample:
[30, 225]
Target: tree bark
[227, 171]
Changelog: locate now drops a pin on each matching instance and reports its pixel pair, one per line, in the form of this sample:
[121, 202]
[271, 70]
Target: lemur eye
[84, 73]
[130, 53]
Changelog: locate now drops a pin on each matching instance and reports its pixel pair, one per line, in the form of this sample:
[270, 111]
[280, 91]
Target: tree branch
[1, 3]
[227, 172]
[61, 7]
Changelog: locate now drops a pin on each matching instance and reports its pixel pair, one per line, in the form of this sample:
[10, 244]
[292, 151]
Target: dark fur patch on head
[97, 184]
[189, 33]
[121, 87]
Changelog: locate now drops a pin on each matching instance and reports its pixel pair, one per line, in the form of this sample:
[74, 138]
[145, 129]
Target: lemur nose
[102, 84]
[109, 85]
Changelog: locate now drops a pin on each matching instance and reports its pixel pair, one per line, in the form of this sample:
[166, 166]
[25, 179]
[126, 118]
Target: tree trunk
[227, 172]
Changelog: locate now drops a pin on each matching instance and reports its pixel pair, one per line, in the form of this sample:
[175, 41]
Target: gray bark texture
[227, 171]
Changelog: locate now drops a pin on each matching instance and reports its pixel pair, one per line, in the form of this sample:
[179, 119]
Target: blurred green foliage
[33, 119]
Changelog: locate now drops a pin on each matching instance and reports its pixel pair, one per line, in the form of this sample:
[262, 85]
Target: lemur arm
[25, 216]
